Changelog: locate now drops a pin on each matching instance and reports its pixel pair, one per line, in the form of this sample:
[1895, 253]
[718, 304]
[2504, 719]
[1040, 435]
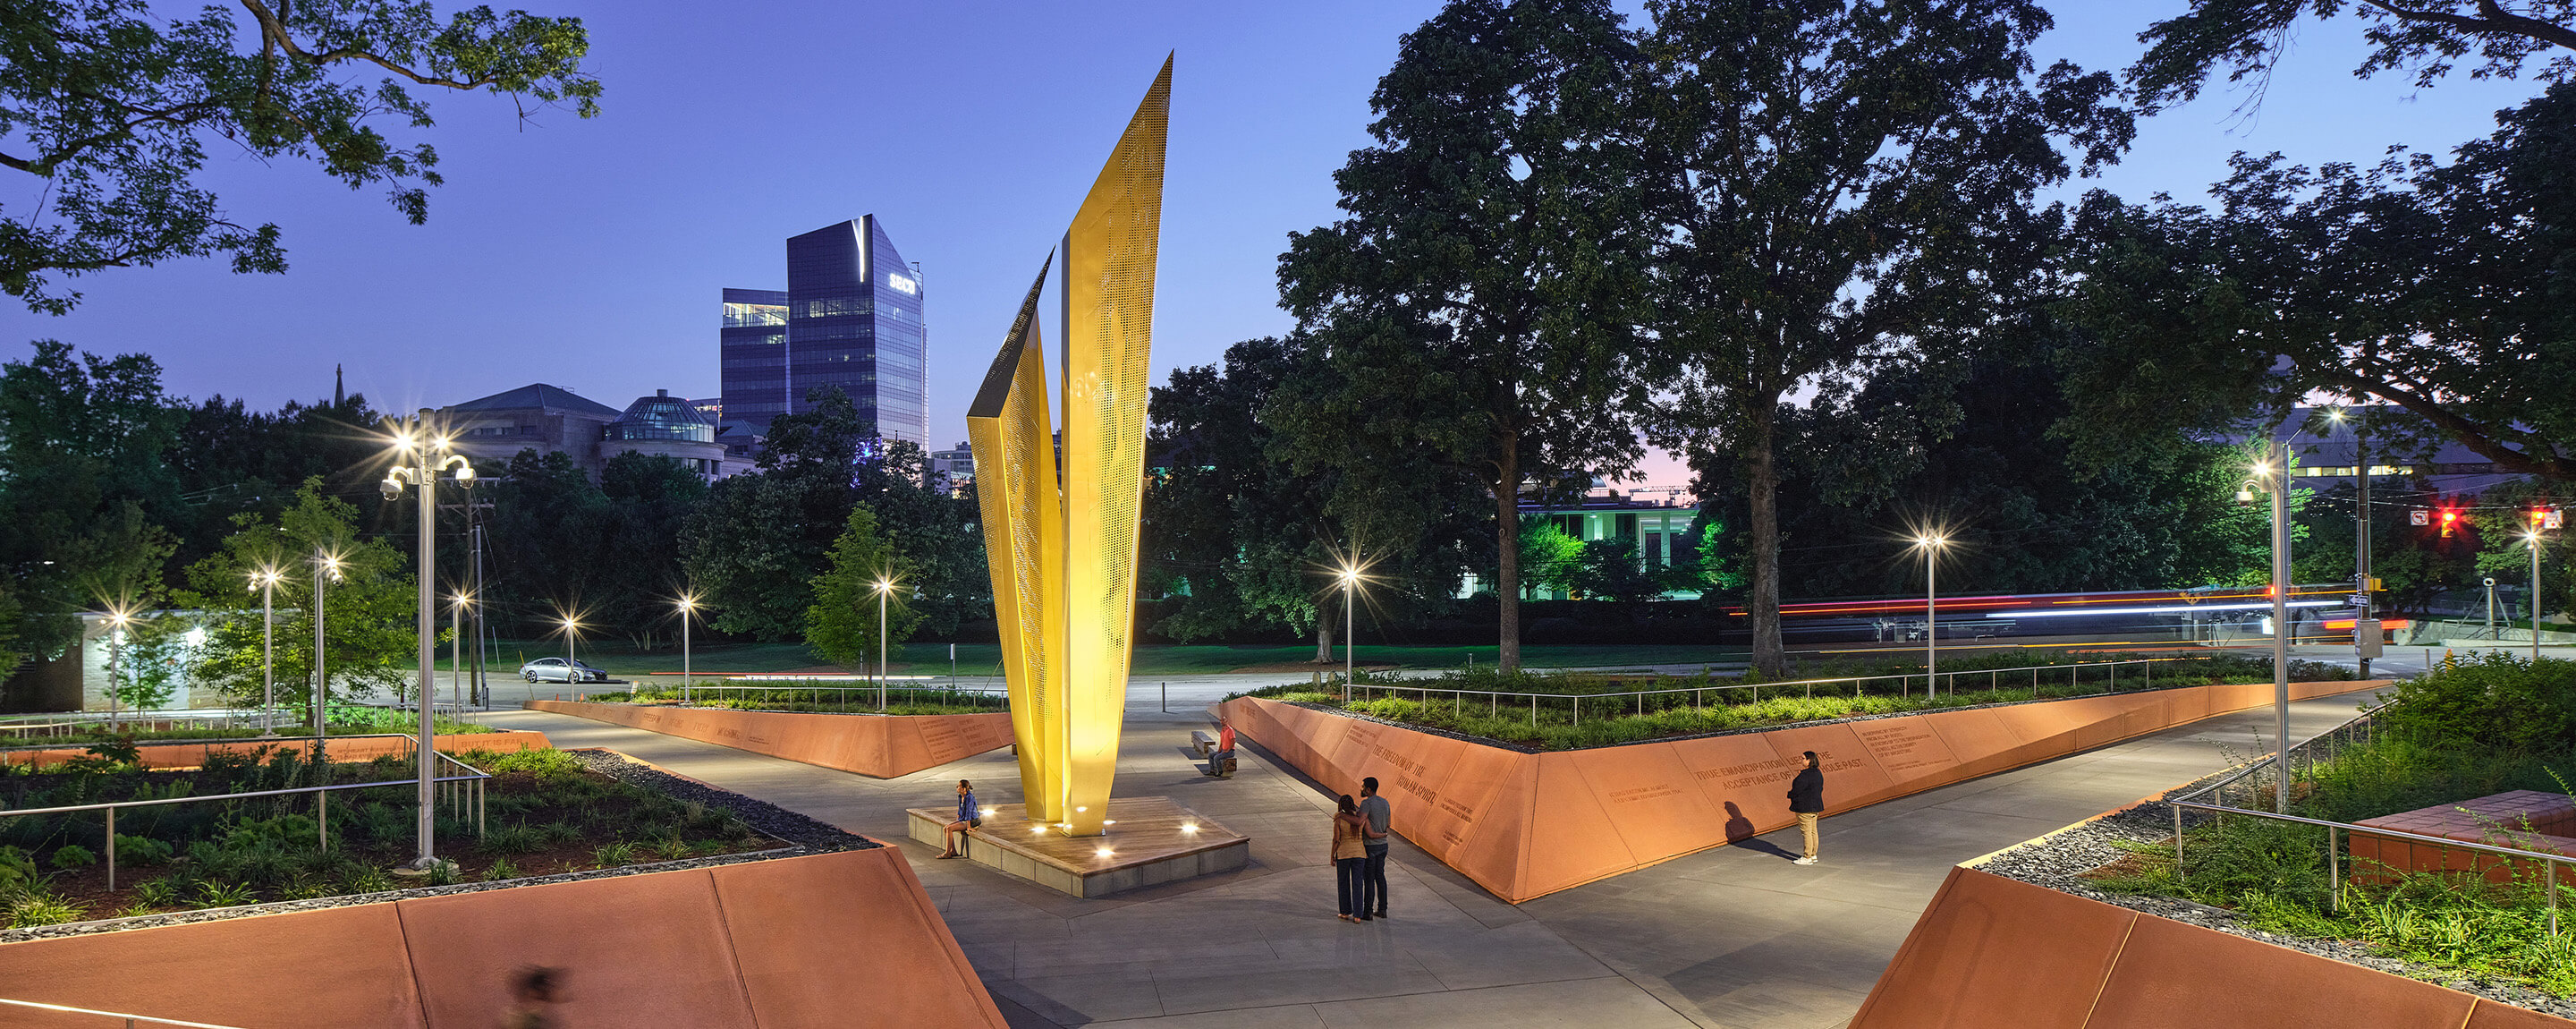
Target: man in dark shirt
[1807, 800]
[1374, 811]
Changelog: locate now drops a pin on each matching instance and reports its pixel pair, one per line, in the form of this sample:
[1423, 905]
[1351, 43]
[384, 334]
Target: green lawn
[621, 658]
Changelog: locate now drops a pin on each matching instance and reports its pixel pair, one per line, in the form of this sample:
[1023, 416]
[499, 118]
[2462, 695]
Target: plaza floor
[1732, 937]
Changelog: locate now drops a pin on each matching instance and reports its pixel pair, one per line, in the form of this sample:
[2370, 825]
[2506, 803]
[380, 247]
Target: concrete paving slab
[1733, 936]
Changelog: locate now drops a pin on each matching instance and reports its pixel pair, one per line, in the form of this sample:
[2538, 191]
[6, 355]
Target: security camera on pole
[425, 455]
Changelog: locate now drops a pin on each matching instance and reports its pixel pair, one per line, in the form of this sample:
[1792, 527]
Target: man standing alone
[1374, 811]
[1807, 800]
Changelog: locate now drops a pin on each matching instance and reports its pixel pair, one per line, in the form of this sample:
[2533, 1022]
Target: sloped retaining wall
[1526, 825]
[840, 939]
[1992, 951]
[882, 746]
[355, 748]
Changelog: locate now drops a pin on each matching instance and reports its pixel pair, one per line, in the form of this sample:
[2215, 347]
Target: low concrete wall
[191, 755]
[844, 939]
[1992, 951]
[1526, 825]
[882, 746]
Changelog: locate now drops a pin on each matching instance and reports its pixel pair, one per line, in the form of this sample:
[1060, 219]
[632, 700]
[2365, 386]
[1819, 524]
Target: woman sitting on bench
[968, 817]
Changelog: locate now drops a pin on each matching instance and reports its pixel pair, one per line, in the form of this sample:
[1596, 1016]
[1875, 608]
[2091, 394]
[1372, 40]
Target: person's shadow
[1739, 832]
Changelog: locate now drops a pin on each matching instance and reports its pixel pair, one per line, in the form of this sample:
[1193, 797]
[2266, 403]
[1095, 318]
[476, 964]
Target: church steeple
[339, 392]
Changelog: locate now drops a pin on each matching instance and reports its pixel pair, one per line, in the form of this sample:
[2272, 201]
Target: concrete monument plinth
[1145, 841]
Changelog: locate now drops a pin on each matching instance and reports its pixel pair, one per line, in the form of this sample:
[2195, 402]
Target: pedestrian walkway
[1731, 937]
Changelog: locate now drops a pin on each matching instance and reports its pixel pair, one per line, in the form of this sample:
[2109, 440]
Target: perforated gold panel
[1016, 488]
[1063, 550]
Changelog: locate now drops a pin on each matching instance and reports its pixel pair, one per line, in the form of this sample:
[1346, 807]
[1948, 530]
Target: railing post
[2177, 810]
[2334, 870]
[2551, 871]
[111, 849]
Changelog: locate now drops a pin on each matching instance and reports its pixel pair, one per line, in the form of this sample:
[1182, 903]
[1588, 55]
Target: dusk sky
[589, 254]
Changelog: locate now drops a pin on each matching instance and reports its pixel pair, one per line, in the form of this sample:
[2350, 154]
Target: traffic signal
[2450, 519]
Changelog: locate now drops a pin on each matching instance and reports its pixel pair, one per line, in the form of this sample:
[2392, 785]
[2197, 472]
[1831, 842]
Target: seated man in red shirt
[1221, 759]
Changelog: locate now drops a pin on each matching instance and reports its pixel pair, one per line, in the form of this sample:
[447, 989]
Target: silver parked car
[555, 669]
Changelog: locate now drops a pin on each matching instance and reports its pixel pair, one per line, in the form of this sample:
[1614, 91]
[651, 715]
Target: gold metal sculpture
[1060, 526]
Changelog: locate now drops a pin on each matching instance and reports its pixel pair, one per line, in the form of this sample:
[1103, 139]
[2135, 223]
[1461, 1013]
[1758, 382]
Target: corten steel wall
[883, 746]
[191, 755]
[1064, 573]
[1526, 825]
[1992, 951]
[758, 944]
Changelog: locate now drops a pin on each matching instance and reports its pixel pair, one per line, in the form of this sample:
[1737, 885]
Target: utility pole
[2280, 461]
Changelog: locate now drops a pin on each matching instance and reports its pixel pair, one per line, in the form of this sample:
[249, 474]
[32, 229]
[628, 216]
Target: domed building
[666, 425]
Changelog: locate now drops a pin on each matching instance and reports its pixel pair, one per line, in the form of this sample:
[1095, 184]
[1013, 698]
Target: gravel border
[2058, 860]
[803, 835]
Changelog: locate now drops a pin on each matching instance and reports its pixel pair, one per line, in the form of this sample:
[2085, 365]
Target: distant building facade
[553, 420]
[952, 470]
[1660, 529]
[851, 317]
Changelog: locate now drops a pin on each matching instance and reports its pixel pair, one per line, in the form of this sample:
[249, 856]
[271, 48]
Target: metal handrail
[462, 791]
[130, 1020]
[265, 741]
[1857, 682]
[893, 693]
[2550, 860]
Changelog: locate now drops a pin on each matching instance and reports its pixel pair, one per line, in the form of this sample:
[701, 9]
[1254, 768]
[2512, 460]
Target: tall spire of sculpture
[1064, 557]
[339, 392]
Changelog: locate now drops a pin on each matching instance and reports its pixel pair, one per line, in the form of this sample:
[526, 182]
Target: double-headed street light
[1930, 544]
[265, 581]
[425, 455]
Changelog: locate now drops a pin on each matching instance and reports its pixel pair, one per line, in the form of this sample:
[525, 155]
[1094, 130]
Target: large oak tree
[1840, 185]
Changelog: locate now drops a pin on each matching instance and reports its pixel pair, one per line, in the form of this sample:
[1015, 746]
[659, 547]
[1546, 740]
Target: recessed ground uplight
[1192, 827]
[988, 812]
[1080, 810]
[1112, 821]
[1103, 852]
[1037, 830]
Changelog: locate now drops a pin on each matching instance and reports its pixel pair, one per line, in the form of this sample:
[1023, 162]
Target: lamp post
[266, 581]
[116, 619]
[2491, 608]
[1931, 545]
[427, 455]
[2533, 538]
[688, 607]
[1350, 628]
[456, 651]
[326, 568]
[2274, 472]
[884, 587]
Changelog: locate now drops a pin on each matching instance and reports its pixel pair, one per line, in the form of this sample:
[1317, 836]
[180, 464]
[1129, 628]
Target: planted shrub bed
[836, 698]
[1591, 709]
[547, 812]
[350, 720]
[2469, 730]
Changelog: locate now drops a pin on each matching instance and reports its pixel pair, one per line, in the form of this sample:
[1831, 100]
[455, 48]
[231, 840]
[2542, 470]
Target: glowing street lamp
[1350, 627]
[1930, 544]
[118, 617]
[2531, 537]
[457, 603]
[885, 587]
[688, 604]
[2273, 474]
[326, 569]
[265, 581]
[426, 456]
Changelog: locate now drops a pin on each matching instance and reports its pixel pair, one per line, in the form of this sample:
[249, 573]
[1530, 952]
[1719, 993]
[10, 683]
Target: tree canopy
[108, 109]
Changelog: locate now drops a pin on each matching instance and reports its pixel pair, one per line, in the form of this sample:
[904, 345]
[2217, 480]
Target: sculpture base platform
[1152, 841]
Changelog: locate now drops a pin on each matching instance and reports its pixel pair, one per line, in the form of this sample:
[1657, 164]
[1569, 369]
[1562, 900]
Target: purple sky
[590, 254]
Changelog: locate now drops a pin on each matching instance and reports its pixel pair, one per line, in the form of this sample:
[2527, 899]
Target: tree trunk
[1323, 636]
[1762, 489]
[1507, 530]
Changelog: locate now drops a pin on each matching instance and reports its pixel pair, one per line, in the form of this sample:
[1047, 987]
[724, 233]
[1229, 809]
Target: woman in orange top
[1350, 857]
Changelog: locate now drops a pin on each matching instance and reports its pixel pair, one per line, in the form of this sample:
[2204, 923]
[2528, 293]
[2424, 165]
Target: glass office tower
[851, 318]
